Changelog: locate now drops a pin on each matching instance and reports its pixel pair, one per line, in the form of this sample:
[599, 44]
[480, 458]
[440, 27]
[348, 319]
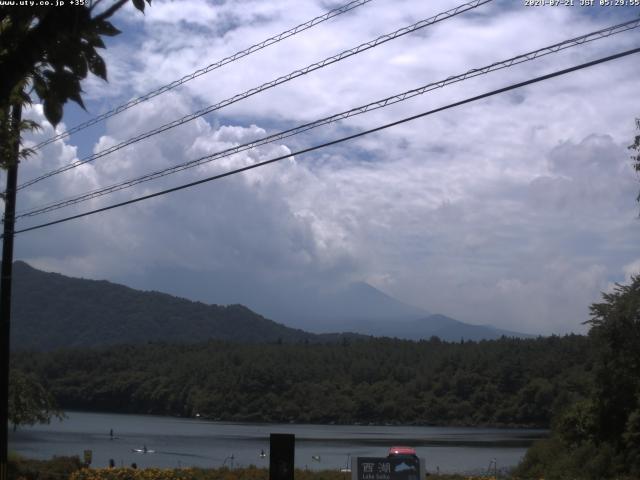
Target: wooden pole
[5, 288]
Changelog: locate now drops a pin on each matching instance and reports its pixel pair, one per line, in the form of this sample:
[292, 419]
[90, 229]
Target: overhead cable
[220, 63]
[525, 57]
[297, 73]
[335, 142]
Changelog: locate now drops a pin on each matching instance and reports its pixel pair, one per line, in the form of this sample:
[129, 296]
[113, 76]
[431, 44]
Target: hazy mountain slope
[52, 311]
[311, 304]
[314, 305]
[441, 326]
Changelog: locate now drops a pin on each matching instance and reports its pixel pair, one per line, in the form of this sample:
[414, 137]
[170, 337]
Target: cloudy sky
[517, 210]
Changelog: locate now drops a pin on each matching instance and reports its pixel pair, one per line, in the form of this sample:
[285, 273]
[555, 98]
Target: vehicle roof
[402, 451]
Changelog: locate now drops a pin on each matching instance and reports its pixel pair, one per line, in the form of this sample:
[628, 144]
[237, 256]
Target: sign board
[281, 456]
[400, 467]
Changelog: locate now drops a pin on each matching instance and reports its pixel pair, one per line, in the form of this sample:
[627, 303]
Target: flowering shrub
[250, 473]
[58, 468]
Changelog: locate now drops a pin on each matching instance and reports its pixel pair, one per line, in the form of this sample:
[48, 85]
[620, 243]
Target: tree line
[508, 382]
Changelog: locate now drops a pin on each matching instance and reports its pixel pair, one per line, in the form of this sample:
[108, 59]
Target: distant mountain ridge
[315, 305]
[435, 325]
[311, 304]
[51, 311]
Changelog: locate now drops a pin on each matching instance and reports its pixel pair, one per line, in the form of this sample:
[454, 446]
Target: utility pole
[5, 286]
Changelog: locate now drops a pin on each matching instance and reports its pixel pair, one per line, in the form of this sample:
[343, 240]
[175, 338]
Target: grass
[72, 468]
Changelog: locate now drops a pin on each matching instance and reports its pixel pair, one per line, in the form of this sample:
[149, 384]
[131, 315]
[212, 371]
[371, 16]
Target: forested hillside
[54, 311]
[500, 382]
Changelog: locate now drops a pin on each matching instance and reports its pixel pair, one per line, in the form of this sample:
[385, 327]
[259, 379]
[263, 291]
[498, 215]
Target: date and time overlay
[526, 3]
[581, 3]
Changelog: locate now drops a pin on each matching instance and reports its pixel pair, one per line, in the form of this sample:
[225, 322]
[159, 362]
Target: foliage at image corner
[49, 50]
[10, 132]
[30, 402]
[599, 436]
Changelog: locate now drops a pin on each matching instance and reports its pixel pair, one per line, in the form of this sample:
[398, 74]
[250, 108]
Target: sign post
[281, 456]
[88, 457]
[401, 467]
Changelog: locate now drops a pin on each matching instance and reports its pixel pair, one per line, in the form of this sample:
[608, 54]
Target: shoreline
[252, 421]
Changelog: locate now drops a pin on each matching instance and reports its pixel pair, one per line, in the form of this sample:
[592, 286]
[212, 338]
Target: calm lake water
[179, 442]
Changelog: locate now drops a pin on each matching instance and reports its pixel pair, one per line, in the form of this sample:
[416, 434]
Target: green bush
[58, 468]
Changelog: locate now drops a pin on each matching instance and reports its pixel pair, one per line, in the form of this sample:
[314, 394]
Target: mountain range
[51, 311]
[315, 305]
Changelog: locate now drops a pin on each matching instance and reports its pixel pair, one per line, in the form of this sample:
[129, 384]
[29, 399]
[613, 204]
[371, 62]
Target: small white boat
[142, 450]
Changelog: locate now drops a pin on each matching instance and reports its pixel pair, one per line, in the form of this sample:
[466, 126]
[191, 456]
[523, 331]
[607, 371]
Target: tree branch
[110, 11]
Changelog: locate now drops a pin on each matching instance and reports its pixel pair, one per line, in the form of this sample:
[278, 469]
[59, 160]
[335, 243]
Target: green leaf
[104, 27]
[25, 98]
[80, 67]
[53, 110]
[95, 41]
[29, 126]
[40, 84]
[139, 4]
[66, 85]
[75, 96]
[72, 62]
[97, 66]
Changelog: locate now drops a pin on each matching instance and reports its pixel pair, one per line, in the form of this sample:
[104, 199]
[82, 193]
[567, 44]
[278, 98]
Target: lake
[182, 442]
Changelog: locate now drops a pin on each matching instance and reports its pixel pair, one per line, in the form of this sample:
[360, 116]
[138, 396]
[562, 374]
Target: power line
[220, 63]
[335, 142]
[297, 73]
[334, 118]
[599, 34]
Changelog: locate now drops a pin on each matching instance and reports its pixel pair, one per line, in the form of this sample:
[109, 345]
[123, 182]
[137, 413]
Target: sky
[517, 210]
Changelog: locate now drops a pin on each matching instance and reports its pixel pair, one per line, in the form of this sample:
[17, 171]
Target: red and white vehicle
[402, 452]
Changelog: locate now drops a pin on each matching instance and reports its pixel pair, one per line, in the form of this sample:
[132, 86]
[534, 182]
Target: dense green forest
[498, 382]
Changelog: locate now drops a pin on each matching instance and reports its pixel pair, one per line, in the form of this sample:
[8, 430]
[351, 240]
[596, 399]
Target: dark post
[281, 456]
[5, 288]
